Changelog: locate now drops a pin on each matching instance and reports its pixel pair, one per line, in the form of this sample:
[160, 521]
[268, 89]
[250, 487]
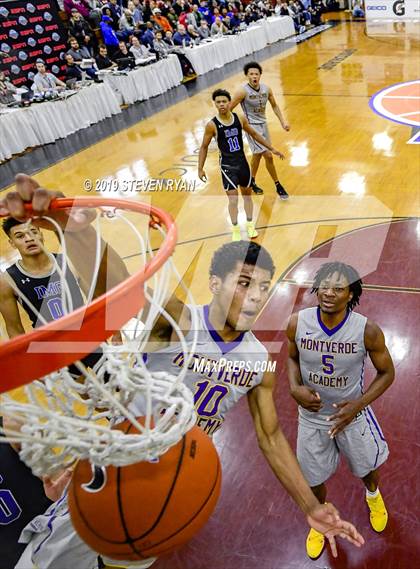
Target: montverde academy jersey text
[331, 361]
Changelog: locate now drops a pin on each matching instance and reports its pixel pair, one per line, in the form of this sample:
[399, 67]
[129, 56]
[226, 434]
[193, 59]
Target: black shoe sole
[259, 191]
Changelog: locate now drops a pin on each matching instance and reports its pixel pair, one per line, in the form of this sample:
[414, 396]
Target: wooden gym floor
[354, 187]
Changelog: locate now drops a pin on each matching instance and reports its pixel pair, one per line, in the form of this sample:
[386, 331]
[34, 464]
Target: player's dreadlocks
[349, 272]
[247, 252]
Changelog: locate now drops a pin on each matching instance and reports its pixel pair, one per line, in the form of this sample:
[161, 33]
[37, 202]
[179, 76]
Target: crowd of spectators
[122, 34]
[136, 32]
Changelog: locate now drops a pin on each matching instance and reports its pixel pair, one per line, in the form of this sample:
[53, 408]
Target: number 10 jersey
[219, 374]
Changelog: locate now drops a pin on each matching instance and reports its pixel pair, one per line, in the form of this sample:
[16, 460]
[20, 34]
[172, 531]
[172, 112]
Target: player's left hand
[54, 487]
[347, 410]
[325, 519]
[278, 153]
[286, 127]
[28, 190]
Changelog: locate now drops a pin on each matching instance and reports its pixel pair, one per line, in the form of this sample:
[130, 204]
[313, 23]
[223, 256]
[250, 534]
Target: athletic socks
[372, 494]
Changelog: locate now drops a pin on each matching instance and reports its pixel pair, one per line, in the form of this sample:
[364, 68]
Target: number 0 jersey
[331, 361]
[219, 374]
[44, 291]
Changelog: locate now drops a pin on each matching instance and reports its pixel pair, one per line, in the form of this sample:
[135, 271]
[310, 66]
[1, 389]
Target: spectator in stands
[7, 89]
[183, 19]
[139, 51]
[160, 46]
[194, 35]
[44, 81]
[108, 34]
[169, 40]
[81, 6]
[137, 11]
[218, 28]
[216, 13]
[172, 17]
[241, 21]
[281, 8]
[162, 22]
[73, 72]
[103, 61]
[148, 36]
[126, 23]
[116, 13]
[181, 37]
[124, 58]
[315, 12]
[203, 30]
[194, 17]
[80, 29]
[296, 14]
[205, 12]
[179, 7]
[357, 9]
[79, 53]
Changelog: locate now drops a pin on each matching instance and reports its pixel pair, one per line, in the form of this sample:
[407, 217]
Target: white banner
[394, 10]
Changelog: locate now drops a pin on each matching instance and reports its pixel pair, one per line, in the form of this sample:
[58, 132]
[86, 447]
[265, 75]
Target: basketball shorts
[256, 147]
[52, 542]
[237, 175]
[362, 443]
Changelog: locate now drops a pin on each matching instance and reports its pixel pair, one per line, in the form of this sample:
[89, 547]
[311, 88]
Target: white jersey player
[219, 374]
[327, 350]
[253, 98]
[230, 363]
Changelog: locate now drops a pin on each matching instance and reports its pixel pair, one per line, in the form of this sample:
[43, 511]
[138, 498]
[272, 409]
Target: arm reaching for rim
[80, 236]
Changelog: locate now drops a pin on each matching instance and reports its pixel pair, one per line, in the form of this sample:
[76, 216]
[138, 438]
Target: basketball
[148, 508]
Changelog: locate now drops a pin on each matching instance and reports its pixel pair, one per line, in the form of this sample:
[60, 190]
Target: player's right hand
[307, 398]
[278, 153]
[325, 519]
[202, 175]
[28, 190]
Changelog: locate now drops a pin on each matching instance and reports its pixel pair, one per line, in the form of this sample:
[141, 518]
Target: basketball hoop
[64, 419]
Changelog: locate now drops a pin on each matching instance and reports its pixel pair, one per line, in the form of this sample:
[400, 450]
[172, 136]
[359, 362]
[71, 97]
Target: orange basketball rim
[64, 341]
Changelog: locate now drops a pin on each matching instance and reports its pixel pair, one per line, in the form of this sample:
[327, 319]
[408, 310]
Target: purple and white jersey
[331, 361]
[219, 374]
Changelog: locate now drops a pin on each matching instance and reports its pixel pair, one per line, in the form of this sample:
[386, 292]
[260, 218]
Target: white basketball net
[65, 419]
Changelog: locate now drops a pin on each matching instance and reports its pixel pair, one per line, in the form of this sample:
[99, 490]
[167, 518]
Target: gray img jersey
[255, 103]
[220, 373]
[331, 361]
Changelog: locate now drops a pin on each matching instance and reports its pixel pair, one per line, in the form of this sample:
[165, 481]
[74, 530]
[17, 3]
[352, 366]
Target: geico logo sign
[399, 8]
[376, 7]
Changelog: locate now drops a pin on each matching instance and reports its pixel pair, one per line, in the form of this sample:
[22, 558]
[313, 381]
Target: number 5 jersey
[331, 361]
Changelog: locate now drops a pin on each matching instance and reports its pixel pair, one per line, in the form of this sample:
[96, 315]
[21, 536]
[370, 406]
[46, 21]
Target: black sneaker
[283, 195]
[256, 189]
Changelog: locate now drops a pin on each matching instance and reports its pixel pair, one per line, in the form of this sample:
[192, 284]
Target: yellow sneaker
[236, 233]
[315, 543]
[378, 514]
[250, 228]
